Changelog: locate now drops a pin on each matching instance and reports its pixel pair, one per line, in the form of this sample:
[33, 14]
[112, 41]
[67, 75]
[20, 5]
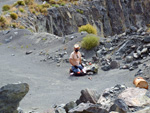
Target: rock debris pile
[118, 99]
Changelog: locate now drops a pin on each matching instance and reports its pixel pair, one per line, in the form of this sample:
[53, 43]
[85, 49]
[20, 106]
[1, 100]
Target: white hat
[76, 46]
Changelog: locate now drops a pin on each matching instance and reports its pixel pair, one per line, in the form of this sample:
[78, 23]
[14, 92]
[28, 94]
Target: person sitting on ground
[75, 60]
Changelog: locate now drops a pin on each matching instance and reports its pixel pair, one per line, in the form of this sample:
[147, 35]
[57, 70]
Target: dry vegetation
[22, 7]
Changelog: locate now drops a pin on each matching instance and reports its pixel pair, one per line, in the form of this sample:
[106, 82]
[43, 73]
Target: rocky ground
[41, 60]
[35, 59]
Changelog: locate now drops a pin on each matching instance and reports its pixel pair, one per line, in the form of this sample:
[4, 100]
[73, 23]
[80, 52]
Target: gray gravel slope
[50, 84]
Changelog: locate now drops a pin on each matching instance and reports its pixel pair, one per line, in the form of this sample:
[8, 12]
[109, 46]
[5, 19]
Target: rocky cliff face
[109, 16]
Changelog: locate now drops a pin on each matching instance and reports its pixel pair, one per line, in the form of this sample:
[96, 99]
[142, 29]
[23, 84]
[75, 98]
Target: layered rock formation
[109, 16]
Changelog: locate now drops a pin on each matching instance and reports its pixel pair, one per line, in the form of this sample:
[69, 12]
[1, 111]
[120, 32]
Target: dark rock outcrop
[109, 16]
[11, 95]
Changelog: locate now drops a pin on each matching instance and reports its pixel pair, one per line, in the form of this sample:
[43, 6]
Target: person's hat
[77, 46]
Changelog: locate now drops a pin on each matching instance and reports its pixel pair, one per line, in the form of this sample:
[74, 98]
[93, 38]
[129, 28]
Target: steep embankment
[109, 16]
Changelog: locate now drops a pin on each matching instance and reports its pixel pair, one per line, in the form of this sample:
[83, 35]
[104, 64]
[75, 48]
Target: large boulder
[135, 97]
[11, 95]
[109, 16]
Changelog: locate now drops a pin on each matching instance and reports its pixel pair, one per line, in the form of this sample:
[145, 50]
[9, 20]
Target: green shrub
[79, 11]
[62, 4]
[46, 5]
[13, 16]
[21, 10]
[14, 25]
[21, 27]
[21, 2]
[43, 11]
[33, 11]
[6, 8]
[52, 2]
[55, 5]
[29, 2]
[89, 42]
[3, 21]
[88, 28]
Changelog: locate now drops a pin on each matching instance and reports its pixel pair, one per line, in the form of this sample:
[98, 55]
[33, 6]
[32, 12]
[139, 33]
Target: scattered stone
[144, 50]
[28, 52]
[147, 39]
[108, 45]
[58, 64]
[95, 59]
[11, 95]
[88, 108]
[114, 65]
[16, 33]
[143, 33]
[8, 39]
[83, 32]
[60, 110]
[131, 68]
[129, 59]
[133, 29]
[105, 67]
[118, 58]
[72, 37]
[119, 106]
[19, 110]
[99, 54]
[125, 67]
[88, 95]
[135, 55]
[70, 106]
